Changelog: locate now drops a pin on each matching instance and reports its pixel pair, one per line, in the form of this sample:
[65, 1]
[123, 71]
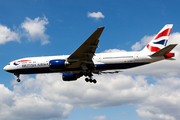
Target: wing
[82, 57]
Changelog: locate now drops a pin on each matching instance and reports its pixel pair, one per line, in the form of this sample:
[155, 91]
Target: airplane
[84, 62]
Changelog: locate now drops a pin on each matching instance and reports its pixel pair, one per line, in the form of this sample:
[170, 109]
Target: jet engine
[58, 64]
[69, 77]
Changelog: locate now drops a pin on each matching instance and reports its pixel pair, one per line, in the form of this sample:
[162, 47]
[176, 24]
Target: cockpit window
[9, 64]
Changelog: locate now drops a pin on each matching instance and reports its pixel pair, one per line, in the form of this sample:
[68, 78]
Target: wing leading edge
[82, 56]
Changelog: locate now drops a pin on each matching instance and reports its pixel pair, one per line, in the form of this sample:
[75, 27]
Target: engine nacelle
[57, 64]
[69, 77]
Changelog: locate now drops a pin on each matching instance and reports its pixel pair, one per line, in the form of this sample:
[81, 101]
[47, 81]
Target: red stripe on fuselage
[23, 60]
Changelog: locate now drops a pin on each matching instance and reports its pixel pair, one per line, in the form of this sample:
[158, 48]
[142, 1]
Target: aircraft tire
[86, 79]
[18, 80]
[94, 81]
[91, 80]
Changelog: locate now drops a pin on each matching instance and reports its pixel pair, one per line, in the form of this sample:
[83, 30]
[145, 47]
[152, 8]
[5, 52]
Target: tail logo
[162, 42]
[164, 33]
[160, 39]
[153, 49]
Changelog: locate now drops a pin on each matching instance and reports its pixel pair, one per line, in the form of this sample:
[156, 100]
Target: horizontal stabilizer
[164, 51]
[171, 59]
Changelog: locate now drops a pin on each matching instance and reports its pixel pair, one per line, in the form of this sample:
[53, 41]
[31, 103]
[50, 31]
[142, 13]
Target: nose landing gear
[17, 75]
[18, 80]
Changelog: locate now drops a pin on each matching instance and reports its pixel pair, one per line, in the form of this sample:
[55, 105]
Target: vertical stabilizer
[160, 40]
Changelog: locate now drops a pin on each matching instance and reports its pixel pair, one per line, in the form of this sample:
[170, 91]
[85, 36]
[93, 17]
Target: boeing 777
[84, 62]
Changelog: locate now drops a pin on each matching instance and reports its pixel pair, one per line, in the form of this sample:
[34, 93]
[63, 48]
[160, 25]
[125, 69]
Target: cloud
[113, 50]
[17, 106]
[144, 41]
[99, 117]
[146, 114]
[35, 29]
[163, 102]
[95, 15]
[6, 35]
[48, 97]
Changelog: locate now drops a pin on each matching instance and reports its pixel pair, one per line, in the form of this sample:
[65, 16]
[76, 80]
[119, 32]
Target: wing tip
[101, 27]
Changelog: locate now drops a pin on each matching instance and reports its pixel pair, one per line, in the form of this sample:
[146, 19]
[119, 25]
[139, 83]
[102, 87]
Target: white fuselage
[102, 62]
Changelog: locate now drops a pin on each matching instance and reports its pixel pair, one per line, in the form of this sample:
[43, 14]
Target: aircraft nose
[6, 68]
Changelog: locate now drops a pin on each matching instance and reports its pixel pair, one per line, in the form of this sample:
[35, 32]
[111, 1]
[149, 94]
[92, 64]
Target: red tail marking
[164, 33]
[153, 49]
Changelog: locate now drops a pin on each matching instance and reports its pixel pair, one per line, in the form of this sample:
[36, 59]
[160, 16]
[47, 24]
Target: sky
[32, 28]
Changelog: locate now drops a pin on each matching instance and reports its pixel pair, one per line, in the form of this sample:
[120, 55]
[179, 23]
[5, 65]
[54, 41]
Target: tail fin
[160, 40]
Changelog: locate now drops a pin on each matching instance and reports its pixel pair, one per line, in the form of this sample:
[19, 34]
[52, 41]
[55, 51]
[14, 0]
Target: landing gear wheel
[94, 81]
[90, 80]
[17, 75]
[89, 77]
[86, 79]
[18, 80]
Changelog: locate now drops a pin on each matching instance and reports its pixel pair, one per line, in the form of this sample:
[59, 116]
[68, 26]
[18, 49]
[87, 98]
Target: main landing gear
[17, 75]
[90, 79]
